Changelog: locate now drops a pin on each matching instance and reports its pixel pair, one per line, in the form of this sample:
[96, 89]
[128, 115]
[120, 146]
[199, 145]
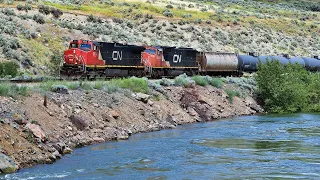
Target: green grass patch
[135, 84]
[215, 82]
[200, 80]
[232, 93]
[13, 90]
[47, 85]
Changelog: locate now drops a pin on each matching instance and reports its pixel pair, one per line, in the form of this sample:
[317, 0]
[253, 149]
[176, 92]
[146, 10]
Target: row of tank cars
[93, 59]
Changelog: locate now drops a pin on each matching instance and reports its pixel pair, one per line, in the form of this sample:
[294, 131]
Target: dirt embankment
[32, 133]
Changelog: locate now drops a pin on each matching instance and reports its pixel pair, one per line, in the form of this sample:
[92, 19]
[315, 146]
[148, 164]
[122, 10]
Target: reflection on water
[254, 147]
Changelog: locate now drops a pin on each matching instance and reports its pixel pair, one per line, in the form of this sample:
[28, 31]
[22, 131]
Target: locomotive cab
[83, 52]
[153, 57]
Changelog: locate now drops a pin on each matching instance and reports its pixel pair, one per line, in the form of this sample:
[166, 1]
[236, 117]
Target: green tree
[284, 88]
[9, 68]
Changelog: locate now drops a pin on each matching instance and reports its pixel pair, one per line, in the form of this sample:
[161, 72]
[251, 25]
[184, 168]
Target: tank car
[219, 63]
[312, 64]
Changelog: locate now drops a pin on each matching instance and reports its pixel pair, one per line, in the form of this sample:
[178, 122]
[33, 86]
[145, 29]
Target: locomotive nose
[68, 59]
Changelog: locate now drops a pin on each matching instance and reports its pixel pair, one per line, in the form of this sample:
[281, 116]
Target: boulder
[19, 119]
[142, 97]
[79, 122]
[67, 151]
[60, 146]
[191, 111]
[256, 107]
[56, 155]
[202, 99]
[36, 131]
[114, 114]
[7, 165]
[98, 140]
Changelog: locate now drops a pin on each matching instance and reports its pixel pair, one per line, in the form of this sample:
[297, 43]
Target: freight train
[91, 59]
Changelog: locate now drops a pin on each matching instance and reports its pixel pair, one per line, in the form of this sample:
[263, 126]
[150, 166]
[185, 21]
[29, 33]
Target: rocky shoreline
[32, 133]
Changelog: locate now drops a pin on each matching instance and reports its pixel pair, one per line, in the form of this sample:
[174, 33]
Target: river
[254, 147]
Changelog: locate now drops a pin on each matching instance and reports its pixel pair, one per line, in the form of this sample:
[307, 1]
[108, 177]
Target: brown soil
[85, 117]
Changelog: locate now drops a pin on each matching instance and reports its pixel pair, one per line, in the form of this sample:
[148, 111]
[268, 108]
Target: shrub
[166, 82]
[56, 12]
[190, 6]
[12, 90]
[25, 7]
[198, 21]
[9, 68]
[135, 84]
[8, 12]
[200, 80]
[167, 13]
[231, 93]
[203, 9]
[287, 89]
[44, 9]
[169, 6]
[20, 7]
[59, 89]
[39, 19]
[216, 82]
[187, 16]
[110, 87]
[183, 80]
[94, 19]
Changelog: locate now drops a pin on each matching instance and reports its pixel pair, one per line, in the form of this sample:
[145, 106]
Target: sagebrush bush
[232, 93]
[200, 80]
[215, 82]
[44, 9]
[38, 18]
[184, 80]
[8, 12]
[167, 13]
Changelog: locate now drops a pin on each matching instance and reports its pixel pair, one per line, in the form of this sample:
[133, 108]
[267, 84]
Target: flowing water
[252, 147]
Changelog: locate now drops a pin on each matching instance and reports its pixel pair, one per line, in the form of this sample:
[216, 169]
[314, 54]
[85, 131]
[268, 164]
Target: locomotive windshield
[72, 45]
[150, 51]
[85, 47]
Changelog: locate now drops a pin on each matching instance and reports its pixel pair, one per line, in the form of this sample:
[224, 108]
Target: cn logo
[177, 58]
[117, 55]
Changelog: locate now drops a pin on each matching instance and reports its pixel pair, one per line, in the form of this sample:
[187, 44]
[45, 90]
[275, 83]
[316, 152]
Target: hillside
[35, 33]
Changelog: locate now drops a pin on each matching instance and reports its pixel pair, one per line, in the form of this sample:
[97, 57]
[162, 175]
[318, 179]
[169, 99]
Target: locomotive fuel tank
[224, 62]
[121, 55]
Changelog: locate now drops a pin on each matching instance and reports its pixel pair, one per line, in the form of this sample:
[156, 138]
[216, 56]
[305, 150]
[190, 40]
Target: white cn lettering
[177, 58]
[117, 55]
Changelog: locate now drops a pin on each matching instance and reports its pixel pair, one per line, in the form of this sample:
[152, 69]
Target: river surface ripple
[249, 147]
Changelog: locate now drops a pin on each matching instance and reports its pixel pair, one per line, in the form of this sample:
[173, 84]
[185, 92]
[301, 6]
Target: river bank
[33, 134]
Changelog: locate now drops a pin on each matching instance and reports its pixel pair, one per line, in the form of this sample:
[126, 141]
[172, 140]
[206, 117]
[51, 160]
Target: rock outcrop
[7, 165]
[32, 133]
